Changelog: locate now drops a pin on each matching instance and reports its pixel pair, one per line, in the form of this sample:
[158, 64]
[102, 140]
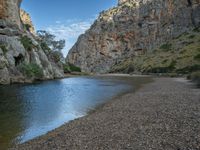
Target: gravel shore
[162, 115]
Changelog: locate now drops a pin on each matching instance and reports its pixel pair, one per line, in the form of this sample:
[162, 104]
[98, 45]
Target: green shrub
[27, 43]
[196, 29]
[197, 57]
[4, 48]
[56, 56]
[168, 69]
[74, 68]
[166, 47]
[191, 36]
[45, 47]
[195, 77]
[66, 68]
[31, 70]
[188, 69]
[164, 61]
[27, 27]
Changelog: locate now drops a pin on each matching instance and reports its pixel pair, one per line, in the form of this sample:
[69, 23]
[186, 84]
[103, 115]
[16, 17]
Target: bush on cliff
[27, 43]
[31, 70]
[48, 41]
[56, 56]
[45, 47]
[27, 27]
[4, 48]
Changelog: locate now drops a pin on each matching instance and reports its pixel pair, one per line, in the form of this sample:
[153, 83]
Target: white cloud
[69, 30]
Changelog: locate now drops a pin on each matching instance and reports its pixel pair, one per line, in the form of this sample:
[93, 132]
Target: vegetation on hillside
[51, 46]
[69, 68]
[27, 43]
[31, 70]
[3, 48]
[179, 56]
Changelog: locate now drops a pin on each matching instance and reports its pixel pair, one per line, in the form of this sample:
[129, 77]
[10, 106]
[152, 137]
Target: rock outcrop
[27, 22]
[134, 27]
[22, 59]
[9, 13]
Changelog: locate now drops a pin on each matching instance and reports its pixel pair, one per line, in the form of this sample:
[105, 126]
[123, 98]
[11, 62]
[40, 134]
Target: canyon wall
[133, 28]
[22, 58]
[9, 12]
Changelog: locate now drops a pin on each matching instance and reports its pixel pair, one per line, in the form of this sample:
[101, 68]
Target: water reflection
[27, 111]
[11, 115]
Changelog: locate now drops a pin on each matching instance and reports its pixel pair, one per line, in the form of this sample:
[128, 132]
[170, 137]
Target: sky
[66, 19]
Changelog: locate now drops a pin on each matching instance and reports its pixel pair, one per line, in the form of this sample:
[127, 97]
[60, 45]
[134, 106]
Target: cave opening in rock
[19, 59]
[189, 2]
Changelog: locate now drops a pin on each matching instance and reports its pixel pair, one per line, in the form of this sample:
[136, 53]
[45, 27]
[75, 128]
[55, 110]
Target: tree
[51, 45]
[49, 40]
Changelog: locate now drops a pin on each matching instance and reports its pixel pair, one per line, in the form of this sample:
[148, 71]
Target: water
[28, 111]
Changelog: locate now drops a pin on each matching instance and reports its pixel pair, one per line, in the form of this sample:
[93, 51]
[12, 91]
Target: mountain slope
[134, 27]
[180, 55]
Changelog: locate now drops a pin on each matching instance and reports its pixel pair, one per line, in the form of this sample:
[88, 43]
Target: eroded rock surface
[26, 20]
[22, 59]
[134, 27]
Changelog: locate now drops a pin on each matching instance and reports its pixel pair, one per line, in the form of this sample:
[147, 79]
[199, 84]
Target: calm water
[28, 111]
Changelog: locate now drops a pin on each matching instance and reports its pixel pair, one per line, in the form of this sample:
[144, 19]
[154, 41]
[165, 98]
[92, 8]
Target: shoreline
[117, 123]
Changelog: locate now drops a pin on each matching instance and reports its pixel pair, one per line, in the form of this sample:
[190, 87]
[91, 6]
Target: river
[30, 110]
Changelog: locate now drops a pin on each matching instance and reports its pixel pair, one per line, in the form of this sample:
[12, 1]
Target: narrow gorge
[141, 36]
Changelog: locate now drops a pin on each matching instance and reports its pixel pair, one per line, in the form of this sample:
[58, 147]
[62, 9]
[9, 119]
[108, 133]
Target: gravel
[162, 115]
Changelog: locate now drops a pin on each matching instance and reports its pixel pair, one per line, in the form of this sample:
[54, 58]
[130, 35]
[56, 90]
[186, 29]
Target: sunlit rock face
[9, 12]
[133, 27]
[27, 22]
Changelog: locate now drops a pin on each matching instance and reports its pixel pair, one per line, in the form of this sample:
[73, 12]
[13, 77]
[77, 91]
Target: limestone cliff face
[9, 12]
[22, 58]
[134, 27]
[27, 22]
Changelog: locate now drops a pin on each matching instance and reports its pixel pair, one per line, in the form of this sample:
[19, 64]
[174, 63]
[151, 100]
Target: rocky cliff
[132, 29]
[21, 57]
[27, 22]
[9, 13]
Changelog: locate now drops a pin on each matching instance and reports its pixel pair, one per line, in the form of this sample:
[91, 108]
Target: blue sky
[67, 19]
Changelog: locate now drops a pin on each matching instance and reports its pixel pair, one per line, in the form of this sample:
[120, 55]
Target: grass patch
[31, 70]
[27, 43]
